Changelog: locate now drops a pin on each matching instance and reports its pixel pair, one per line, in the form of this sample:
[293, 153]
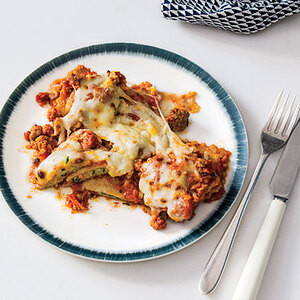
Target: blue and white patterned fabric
[240, 16]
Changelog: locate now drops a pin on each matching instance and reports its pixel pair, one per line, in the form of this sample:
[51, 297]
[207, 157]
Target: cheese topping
[164, 186]
[117, 135]
[150, 134]
[131, 139]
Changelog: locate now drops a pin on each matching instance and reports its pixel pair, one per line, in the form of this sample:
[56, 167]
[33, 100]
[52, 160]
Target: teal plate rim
[199, 231]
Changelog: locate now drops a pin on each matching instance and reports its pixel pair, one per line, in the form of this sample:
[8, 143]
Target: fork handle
[252, 275]
[215, 266]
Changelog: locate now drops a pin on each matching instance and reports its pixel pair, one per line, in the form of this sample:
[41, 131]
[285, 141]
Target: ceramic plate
[107, 232]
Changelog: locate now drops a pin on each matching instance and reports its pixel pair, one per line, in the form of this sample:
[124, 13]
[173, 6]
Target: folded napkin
[240, 16]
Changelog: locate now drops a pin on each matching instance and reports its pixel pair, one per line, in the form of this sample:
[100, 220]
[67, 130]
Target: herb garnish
[76, 179]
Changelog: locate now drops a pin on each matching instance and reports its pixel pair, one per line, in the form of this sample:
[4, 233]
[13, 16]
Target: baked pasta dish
[109, 138]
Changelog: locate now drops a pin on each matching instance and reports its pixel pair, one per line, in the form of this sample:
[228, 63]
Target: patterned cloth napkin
[240, 16]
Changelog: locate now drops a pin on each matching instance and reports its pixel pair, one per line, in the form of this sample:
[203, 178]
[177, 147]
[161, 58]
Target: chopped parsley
[76, 179]
[67, 160]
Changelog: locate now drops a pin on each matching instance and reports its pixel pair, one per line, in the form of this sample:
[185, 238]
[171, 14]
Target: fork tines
[283, 117]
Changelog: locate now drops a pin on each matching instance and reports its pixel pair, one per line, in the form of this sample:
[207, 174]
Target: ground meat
[52, 114]
[103, 94]
[159, 222]
[61, 93]
[26, 136]
[203, 166]
[178, 119]
[219, 157]
[55, 89]
[35, 131]
[48, 130]
[117, 78]
[78, 201]
[158, 219]
[75, 76]
[140, 96]
[42, 99]
[44, 145]
[148, 89]
[211, 163]
[41, 139]
[65, 92]
[129, 187]
[89, 140]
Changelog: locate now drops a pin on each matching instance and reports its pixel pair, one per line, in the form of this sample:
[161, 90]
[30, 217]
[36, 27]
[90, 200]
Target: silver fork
[274, 135]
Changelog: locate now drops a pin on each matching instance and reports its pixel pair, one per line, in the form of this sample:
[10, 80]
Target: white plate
[121, 233]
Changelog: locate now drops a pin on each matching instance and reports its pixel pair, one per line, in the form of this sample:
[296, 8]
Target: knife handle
[252, 275]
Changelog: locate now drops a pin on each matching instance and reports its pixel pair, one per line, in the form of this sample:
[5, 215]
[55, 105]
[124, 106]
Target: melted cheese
[131, 139]
[164, 187]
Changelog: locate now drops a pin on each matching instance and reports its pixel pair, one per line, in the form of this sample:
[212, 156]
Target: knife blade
[281, 185]
[288, 166]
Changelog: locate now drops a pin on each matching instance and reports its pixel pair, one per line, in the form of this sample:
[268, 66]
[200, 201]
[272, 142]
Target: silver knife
[281, 186]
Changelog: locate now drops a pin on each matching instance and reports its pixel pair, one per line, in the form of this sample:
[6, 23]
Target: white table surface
[252, 68]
